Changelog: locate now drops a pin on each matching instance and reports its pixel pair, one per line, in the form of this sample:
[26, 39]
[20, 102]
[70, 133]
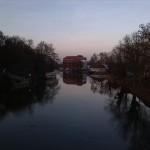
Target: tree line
[19, 56]
[130, 57]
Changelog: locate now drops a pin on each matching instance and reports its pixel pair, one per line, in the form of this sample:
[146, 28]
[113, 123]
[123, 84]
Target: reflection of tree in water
[129, 115]
[22, 100]
[132, 119]
[51, 90]
[101, 86]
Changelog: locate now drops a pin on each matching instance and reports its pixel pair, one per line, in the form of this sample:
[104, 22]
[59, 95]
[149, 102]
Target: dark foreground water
[73, 112]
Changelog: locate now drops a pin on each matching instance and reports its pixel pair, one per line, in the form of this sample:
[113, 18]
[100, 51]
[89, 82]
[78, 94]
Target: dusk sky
[74, 26]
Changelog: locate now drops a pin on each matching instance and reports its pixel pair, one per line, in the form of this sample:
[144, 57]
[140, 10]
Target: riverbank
[140, 88]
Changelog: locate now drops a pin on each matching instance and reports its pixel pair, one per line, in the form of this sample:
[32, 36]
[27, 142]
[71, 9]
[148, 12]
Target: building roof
[78, 57]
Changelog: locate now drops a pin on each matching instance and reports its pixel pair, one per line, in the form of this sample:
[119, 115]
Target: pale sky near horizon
[74, 26]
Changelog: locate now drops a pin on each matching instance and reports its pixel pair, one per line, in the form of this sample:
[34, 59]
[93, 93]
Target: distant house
[74, 62]
[97, 67]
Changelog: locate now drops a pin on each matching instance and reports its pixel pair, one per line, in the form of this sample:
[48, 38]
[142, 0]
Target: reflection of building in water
[74, 78]
[74, 62]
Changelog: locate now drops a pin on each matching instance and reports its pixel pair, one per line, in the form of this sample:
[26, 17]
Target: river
[73, 112]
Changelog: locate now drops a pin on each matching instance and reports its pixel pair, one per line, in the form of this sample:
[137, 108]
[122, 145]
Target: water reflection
[22, 100]
[129, 115]
[79, 119]
[74, 78]
[132, 119]
[101, 86]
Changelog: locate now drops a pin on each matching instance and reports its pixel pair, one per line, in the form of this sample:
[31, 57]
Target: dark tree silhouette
[18, 56]
[131, 56]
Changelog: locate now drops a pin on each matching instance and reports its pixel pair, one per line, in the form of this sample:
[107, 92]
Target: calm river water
[73, 112]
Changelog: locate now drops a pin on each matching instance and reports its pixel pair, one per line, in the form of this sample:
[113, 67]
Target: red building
[74, 62]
